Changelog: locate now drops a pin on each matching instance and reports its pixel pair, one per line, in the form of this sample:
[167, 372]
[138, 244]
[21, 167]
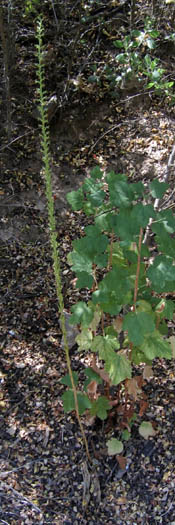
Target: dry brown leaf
[143, 407]
[172, 342]
[92, 390]
[148, 372]
[121, 501]
[89, 420]
[133, 388]
[122, 462]
[117, 324]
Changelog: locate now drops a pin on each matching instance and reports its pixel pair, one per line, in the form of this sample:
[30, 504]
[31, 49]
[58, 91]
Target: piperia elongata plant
[51, 213]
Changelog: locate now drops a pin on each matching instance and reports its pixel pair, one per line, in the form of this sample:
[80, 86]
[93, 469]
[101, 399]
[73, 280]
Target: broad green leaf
[117, 255]
[167, 219]
[136, 33]
[118, 43]
[88, 208]
[96, 173]
[76, 199]
[109, 330]
[162, 273]
[92, 244]
[100, 407]
[154, 33]
[132, 270]
[146, 429]
[144, 306]
[114, 290]
[126, 435]
[96, 198]
[138, 188]
[165, 243]
[114, 446]
[155, 346]
[122, 58]
[169, 309]
[117, 366]
[139, 357]
[141, 214]
[165, 309]
[150, 43]
[125, 227]
[84, 402]
[130, 250]
[108, 301]
[137, 325]
[121, 193]
[90, 185]
[148, 61]
[102, 221]
[91, 376]
[150, 85]
[101, 260]
[84, 339]
[79, 262]
[84, 280]
[103, 344]
[93, 78]
[94, 193]
[67, 381]
[117, 280]
[81, 314]
[131, 256]
[158, 189]
[163, 328]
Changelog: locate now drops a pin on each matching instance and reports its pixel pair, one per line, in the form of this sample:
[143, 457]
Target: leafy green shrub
[136, 67]
[123, 323]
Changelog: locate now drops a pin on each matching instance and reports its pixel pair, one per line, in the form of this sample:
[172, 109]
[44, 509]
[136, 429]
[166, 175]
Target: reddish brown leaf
[143, 407]
[121, 461]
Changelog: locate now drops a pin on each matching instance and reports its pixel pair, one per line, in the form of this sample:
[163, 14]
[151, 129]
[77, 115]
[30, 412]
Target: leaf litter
[44, 476]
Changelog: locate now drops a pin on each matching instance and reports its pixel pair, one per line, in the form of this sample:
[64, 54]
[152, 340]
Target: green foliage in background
[136, 67]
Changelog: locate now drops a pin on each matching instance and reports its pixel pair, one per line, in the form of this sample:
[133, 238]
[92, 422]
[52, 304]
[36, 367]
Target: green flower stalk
[45, 146]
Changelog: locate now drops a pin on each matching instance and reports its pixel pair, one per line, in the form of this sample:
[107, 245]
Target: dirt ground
[43, 463]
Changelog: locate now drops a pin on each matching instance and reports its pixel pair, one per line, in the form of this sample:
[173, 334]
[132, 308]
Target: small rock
[71, 331]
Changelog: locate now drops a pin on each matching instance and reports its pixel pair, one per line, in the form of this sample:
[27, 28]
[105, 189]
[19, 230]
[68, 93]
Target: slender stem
[138, 268]
[136, 282]
[111, 251]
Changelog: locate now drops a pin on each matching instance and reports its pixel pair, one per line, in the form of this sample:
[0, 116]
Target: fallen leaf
[146, 429]
[172, 342]
[114, 446]
[12, 430]
[147, 372]
[121, 501]
[92, 390]
[122, 462]
[132, 388]
[143, 407]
